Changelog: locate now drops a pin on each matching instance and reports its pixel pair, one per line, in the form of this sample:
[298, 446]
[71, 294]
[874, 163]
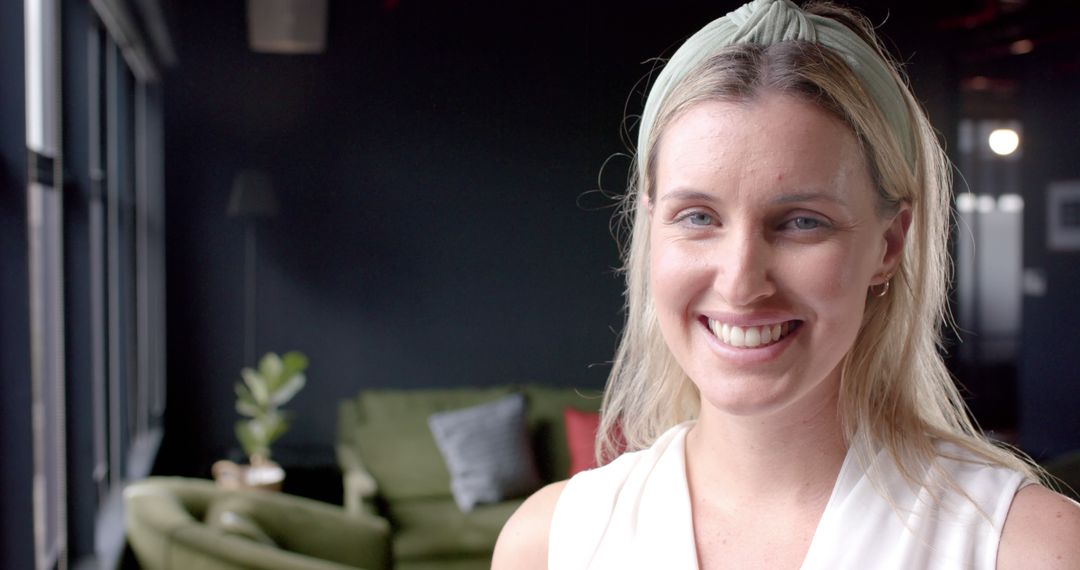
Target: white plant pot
[265, 475]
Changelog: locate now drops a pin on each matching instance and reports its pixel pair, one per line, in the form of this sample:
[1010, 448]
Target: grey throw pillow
[487, 451]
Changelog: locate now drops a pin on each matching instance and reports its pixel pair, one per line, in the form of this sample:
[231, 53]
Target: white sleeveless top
[635, 513]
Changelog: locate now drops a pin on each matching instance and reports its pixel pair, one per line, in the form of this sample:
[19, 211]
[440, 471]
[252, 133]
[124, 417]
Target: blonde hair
[894, 389]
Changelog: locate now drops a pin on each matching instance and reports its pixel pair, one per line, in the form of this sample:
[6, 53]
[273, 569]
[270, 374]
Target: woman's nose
[743, 272]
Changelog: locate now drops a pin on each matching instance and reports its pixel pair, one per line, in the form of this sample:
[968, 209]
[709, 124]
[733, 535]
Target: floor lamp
[252, 198]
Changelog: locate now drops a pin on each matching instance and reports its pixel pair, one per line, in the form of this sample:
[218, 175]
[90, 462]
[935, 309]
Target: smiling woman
[778, 383]
[784, 234]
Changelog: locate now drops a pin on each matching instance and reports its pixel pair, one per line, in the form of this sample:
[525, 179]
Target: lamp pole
[252, 198]
[249, 290]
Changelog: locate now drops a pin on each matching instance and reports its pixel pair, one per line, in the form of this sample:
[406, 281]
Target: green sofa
[167, 528]
[392, 466]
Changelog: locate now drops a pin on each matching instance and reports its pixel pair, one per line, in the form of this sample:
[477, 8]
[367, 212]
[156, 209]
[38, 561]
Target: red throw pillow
[581, 438]
[581, 428]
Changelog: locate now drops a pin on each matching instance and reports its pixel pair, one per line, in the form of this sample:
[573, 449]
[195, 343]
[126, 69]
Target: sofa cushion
[427, 529]
[581, 428]
[445, 563]
[396, 444]
[545, 411]
[487, 451]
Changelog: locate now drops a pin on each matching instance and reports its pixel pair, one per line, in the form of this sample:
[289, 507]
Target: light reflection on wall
[989, 269]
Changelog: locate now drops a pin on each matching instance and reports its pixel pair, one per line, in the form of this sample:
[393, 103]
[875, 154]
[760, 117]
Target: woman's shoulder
[984, 476]
[523, 542]
[586, 501]
[1042, 530]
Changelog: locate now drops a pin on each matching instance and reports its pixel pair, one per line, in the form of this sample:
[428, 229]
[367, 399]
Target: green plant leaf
[257, 384]
[269, 427]
[245, 402]
[246, 409]
[259, 429]
[278, 428]
[294, 362]
[252, 445]
[270, 368]
[274, 382]
[288, 390]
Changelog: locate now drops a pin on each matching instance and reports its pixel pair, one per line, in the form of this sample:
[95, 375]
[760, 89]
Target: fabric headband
[768, 22]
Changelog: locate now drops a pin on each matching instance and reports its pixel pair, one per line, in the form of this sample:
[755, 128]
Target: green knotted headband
[767, 22]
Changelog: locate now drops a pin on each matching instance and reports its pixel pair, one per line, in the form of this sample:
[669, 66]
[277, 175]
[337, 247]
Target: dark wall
[1050, 360]
[434, 169]
[16, 464]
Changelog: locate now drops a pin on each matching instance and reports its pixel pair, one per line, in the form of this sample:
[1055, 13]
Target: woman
[778, 380]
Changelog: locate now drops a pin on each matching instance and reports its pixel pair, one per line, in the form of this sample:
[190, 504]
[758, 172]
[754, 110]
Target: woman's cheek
[677, 274]
[823, 273]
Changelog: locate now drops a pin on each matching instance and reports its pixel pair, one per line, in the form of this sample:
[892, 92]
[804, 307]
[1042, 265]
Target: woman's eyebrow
[688, 194]
[808, 197]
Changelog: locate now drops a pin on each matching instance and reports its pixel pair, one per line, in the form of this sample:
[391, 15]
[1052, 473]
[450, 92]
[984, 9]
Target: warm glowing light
[979, 83]
[1004, 141]
[1020, 47]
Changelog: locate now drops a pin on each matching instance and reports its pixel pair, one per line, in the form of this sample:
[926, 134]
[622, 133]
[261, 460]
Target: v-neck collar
[676, 529]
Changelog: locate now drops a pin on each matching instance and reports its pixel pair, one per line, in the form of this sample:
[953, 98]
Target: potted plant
[259, 398]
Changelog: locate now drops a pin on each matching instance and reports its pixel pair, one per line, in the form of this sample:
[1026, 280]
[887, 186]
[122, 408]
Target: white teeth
[738, 336]
[753, 337]
[749, 337]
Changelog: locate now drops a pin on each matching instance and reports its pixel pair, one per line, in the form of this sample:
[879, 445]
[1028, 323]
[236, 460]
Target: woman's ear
[895, 237]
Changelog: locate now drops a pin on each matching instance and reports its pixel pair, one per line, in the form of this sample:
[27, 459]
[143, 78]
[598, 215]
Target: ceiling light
[1020, 47]
[1004, 141]
[966, 202]
[1010, 203]
[287, 26]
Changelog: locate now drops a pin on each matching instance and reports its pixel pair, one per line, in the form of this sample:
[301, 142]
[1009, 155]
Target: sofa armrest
[322, 530]
[164, 534]
[348, 420]
[359, 486]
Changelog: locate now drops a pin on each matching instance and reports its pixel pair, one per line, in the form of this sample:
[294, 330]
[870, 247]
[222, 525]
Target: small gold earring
[884, 288]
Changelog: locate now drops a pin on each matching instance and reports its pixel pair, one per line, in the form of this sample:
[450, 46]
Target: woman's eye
[804, 223]
[699, 219]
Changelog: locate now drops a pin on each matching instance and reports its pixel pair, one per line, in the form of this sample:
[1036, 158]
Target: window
[45, 256]
[98, 235]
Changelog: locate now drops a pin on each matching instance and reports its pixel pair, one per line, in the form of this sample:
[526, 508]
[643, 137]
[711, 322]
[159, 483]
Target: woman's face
[764, 239]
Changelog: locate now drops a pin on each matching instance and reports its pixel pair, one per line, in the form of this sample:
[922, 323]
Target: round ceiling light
[1004, 141]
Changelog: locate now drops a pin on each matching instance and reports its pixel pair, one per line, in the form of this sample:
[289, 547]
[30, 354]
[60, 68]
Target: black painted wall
[436, 227]
[1050, 346]
[434, 169]
[16, 466]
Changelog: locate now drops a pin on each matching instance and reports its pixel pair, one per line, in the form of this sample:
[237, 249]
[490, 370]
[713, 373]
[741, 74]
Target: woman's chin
[750, 397]
[748, 402]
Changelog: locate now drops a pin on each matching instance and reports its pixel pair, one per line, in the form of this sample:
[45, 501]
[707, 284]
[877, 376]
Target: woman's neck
[788, 459]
